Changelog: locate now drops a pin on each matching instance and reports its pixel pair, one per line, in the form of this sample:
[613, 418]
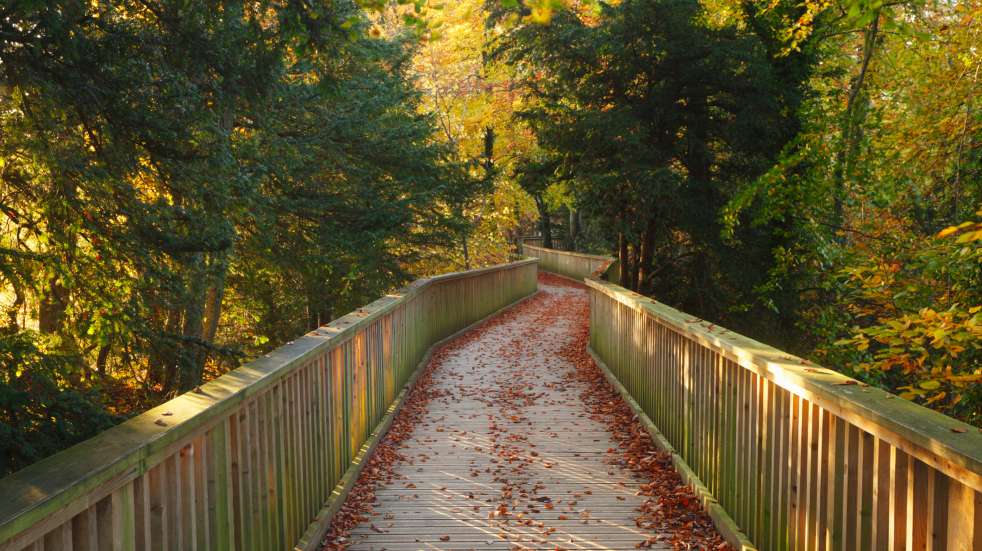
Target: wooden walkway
[506, 455]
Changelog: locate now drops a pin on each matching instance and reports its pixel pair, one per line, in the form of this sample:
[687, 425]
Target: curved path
[501, 450]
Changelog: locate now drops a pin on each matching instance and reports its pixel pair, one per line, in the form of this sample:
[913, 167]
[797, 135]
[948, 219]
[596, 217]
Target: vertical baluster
[836, 480]
[59, 539]
[221, 486]
[740, 443]
[303, 448]
[865, 499]
[322, 488]
[809, 504]
[850, 509]
[879, 540]
[964, 526]
[141, 513]
[175, 501]
[937, 519]
[755, 443]
[823, 480]
[183, 460]
[797, 443]
[917, 504]
[782, 460]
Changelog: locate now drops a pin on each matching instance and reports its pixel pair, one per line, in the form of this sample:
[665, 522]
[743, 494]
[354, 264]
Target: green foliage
[915, 317]
[653, 120]
[38, 414]
[185, 184]
[782, 168]
[886, 158]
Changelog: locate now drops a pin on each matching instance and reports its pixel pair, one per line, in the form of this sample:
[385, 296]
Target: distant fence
[574, 265]
[799, 456]
[559, 243]
[247, 461]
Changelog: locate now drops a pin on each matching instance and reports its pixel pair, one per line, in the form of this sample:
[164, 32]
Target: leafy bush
[915, 313]
[43, 408]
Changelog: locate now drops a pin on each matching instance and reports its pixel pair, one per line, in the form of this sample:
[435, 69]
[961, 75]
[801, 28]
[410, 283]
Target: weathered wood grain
[553, 468]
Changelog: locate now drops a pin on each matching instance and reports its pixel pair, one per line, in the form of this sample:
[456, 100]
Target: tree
[653, 119]
[176, 176]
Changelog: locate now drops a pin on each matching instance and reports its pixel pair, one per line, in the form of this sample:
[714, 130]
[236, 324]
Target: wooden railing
[249, 460]
[800, 457]
[569, 264]
[558, 242]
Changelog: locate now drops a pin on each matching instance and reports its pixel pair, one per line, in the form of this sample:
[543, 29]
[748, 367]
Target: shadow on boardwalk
[512, 439]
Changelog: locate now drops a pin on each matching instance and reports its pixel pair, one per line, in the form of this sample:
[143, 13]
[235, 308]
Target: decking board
[456, 475]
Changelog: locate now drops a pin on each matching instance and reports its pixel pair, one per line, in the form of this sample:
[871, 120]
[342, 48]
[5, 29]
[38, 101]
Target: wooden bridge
[779, 453]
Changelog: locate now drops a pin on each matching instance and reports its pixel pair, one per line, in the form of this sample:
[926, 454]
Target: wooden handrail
[571, 253]
[248, 459]
[569, 264]
[800, 456]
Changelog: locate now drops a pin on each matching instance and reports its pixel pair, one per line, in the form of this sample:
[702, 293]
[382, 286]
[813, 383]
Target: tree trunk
[545, 224]
[51, 310]
[645, 260]
[624, 261]
[467, 254]
[163, 366]
[13, 324]
[190, 371]
[58, 218]
[213, 306]
[574, 228]
[102, 359]
[852, 121]
[698, 157]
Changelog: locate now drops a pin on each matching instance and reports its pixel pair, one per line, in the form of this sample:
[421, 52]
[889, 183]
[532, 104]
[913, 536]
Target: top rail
[247, 460]
[569, 264]
[539, 241]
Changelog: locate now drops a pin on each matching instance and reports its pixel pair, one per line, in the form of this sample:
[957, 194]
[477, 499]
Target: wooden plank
[85, 532]
[918, 494]
[264, 529]
[937, 521]
[141, 497]
[185, 460]
[272, 473]
[963, 527]
[123, 518]
[900, 515]
[864, 499]
[768, 463]
[59, 539]
[880, 536]
[792, 479]
[221, 509]
[573, 467]
[820, 473]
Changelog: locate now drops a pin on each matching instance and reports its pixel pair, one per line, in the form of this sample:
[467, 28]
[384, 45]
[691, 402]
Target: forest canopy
[186, 185]
[804, 173]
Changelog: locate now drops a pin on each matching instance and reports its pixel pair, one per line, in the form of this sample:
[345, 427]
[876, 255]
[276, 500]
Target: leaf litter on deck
[526, 509]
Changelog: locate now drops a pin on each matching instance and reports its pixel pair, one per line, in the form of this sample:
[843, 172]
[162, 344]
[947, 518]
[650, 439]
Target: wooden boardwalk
[506, 455]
